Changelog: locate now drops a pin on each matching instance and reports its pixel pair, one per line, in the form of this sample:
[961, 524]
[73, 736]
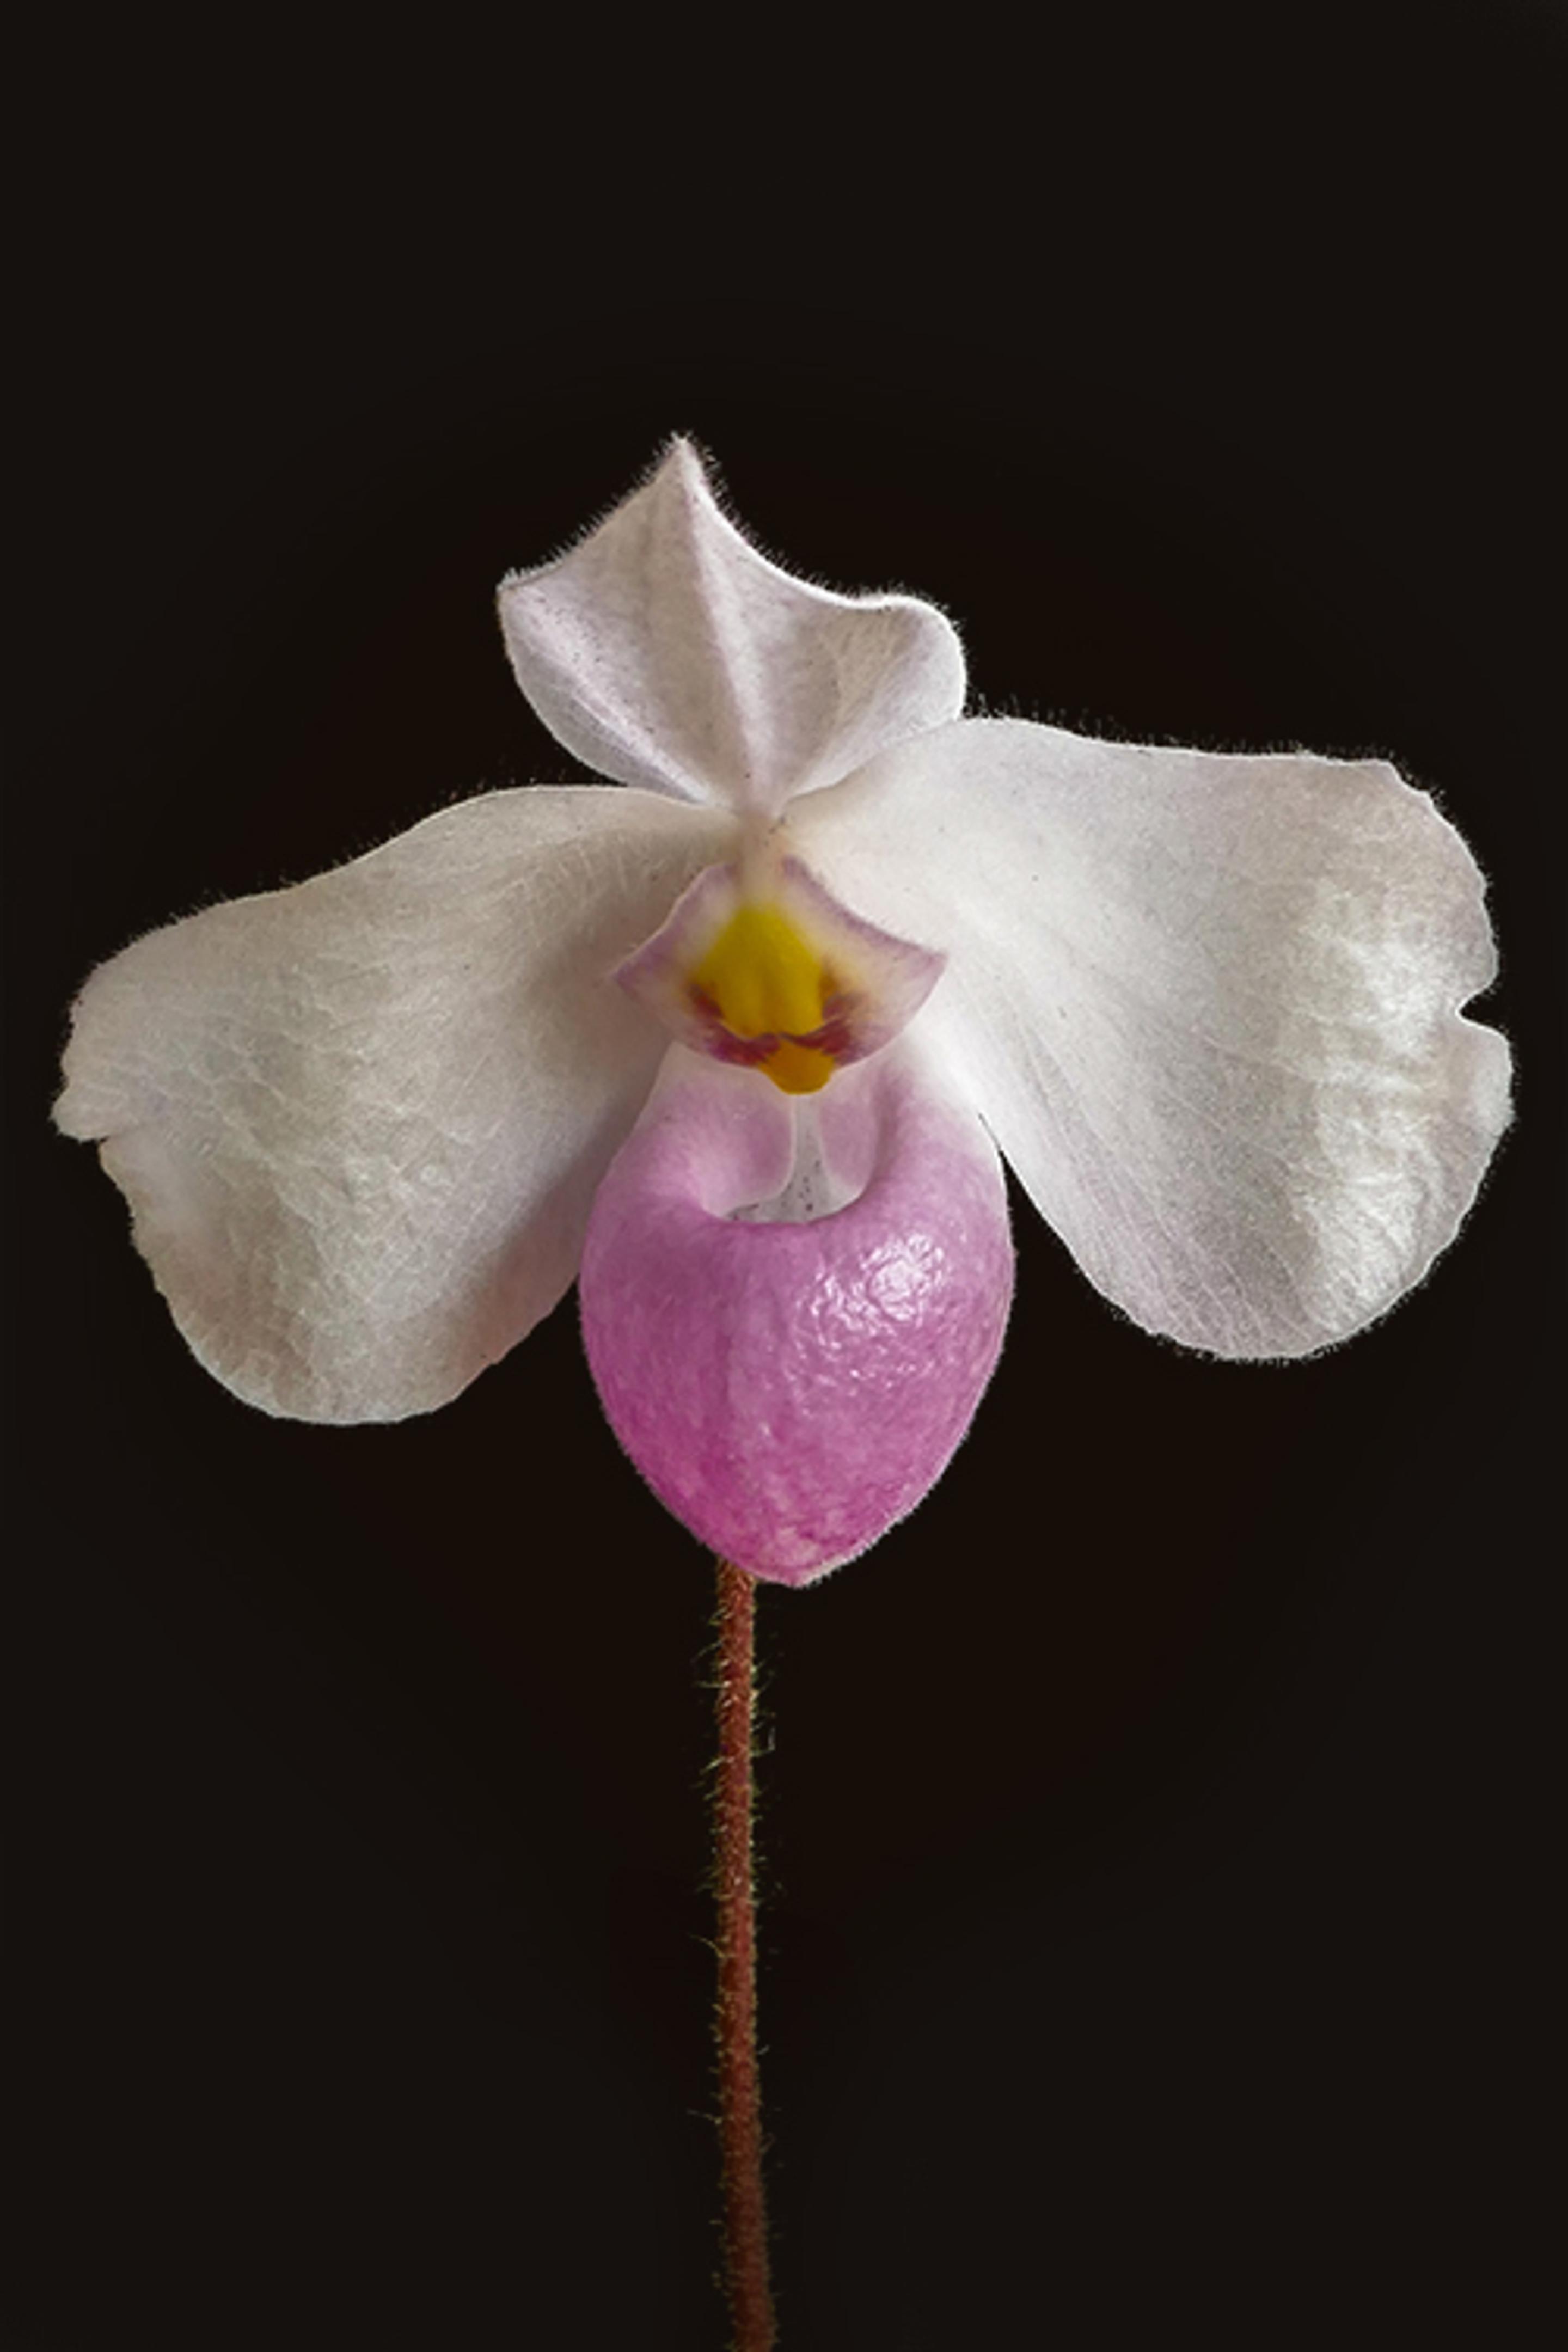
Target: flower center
[758, 964]
[779, 1006]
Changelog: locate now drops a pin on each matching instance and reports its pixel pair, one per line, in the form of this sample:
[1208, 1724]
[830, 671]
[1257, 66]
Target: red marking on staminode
[833, 1037]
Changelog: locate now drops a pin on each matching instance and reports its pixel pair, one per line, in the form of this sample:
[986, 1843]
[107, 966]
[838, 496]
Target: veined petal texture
[1208, 1005]
[664, 651]
[791, 1382]
[360, 1122]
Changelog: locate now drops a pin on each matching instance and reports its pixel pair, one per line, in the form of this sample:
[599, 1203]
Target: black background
[1152, 1824]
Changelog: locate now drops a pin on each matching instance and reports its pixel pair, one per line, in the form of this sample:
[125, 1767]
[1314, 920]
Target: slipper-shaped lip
[790, 1389]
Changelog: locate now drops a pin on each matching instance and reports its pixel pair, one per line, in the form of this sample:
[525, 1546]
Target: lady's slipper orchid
[739, 1039]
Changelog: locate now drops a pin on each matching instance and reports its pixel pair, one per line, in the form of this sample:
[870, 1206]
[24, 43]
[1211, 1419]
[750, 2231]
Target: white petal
[666, 652]
[1208, 1007]
[360, 1122]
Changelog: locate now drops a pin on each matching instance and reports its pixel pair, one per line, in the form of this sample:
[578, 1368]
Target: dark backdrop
[1150, 1823]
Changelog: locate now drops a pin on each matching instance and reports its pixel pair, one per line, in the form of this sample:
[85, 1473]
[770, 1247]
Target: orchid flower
[741, 1039]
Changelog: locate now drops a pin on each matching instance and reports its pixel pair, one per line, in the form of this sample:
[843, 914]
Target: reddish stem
[735, 2007]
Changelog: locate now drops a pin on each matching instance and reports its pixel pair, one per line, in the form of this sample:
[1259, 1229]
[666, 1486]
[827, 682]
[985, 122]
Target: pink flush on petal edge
[793, 1295]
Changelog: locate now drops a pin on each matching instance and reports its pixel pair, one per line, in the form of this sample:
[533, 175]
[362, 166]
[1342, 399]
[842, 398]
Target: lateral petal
[1208, 1005]
[359, 1122]
[664, 651]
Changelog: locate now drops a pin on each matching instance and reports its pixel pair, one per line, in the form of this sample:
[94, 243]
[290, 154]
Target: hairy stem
[735, 2007]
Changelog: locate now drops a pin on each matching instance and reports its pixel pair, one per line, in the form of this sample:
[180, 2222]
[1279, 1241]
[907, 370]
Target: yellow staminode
[765, 981]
